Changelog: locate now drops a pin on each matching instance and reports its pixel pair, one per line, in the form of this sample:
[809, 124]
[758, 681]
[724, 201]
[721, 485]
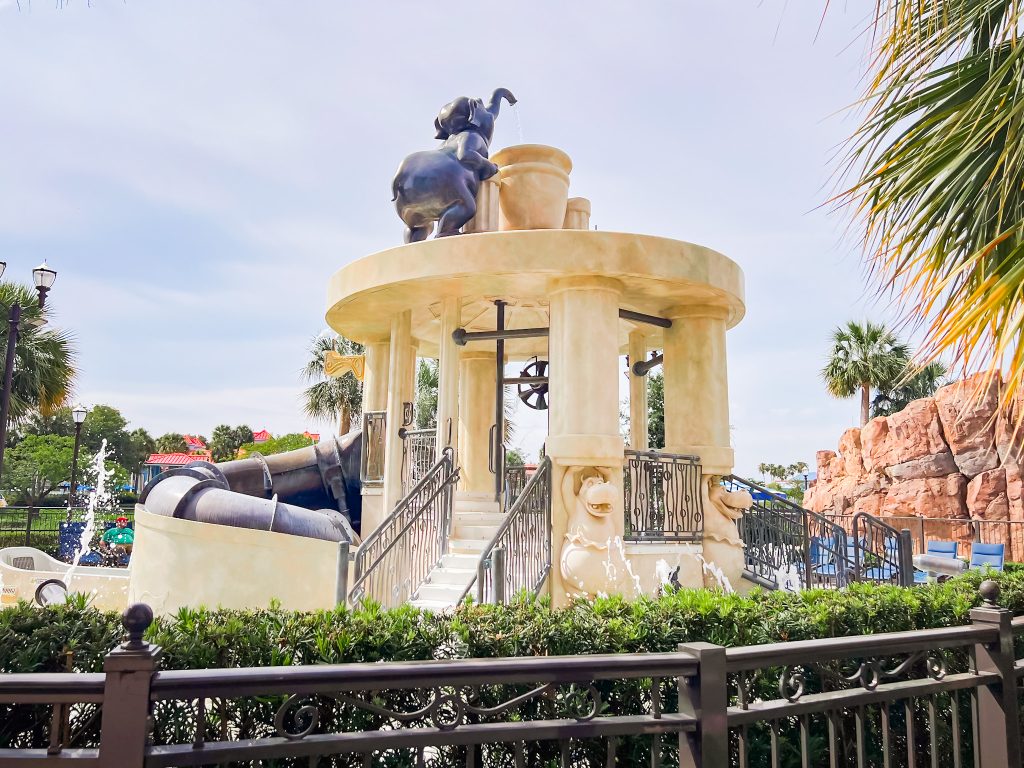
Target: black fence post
[705, 697]
[125, 724]
[906, 555]
[994, 710]
[28, 527]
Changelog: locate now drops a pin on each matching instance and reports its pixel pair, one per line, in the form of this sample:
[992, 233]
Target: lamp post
[42, 277]
[78, 413]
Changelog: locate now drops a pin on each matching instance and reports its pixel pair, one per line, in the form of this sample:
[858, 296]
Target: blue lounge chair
[889, 570]
[936, 549]
[987, 555]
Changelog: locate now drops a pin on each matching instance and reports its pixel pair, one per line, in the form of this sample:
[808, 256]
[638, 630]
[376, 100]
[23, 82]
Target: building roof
[261, 437]
[173, 459]
[314, 436]
[194, 443]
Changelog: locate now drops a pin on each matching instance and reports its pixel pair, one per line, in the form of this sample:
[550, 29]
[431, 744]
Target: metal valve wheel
[535, 396]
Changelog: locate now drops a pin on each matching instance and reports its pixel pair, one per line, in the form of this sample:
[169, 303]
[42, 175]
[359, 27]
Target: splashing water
[99, 498]
[519, 124]
[716, 573]
[788, 579]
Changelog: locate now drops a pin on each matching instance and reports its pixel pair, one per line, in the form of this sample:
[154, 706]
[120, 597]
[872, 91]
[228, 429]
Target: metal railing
[515, 481]
[662, 496]
[785, 542]
[882, 553]
[419, 452]
[518, 558]
[371, 462]
[40, 527]
[965, 531]
[943, 696]
[393, 562]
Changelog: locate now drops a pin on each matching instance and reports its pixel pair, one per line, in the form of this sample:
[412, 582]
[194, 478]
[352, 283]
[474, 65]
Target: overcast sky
[195, 171]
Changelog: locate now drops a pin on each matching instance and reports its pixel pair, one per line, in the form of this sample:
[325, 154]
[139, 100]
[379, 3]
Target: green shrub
[76, 637]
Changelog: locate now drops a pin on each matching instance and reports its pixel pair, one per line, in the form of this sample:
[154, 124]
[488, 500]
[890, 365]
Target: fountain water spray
[99, 498]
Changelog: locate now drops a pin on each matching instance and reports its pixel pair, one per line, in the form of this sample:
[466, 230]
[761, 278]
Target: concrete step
[467, 546]
[460, 562]
[474, 505]
[441, 593]
[479, 518]
[446, 575]
[485, 532]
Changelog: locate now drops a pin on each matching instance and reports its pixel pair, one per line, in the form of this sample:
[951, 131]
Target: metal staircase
[788, 545]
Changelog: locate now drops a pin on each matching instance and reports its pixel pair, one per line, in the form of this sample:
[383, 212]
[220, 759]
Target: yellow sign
[336, 365]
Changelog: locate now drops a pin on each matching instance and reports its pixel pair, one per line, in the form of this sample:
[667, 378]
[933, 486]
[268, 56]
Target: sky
[196, 171]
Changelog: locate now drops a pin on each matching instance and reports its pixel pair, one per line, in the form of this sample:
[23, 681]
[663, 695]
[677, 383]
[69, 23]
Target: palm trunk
[345, 422]
[865, 403]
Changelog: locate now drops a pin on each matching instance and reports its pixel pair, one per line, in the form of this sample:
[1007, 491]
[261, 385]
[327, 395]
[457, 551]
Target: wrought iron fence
[662, 497]
[419, 452]
[392, 563]
[774, 534]
[41, 527]
[942, 697]
[518, 558]
[515, 481]
[371, 462]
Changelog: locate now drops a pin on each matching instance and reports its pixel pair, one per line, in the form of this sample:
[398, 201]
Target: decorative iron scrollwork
[307, 712]
[791, 684]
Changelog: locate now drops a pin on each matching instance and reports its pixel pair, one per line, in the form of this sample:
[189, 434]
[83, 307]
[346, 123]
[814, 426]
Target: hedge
[77, 637]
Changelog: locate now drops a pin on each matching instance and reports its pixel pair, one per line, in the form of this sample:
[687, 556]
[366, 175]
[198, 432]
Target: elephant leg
[415, 234]
[457, 214]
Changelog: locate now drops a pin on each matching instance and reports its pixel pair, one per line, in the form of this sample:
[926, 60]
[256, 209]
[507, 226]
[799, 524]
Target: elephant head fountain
[441, 184]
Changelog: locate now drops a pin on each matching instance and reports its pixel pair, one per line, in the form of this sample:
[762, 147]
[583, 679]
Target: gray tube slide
[205, 493]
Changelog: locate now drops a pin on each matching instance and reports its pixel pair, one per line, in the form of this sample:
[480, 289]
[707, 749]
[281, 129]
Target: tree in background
[337, 400]
[276, 445]
[226, 440]
[172, 442]
[655, 410]
[427, 379]
[914, 383]
[862, 357]
[939, 158]
[44, 368]
[36, 466]
[786, 479]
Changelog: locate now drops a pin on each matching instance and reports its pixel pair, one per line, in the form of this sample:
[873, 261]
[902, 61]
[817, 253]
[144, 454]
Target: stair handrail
[528, 549]
[805, 527]
[389, 539]
[893, 561]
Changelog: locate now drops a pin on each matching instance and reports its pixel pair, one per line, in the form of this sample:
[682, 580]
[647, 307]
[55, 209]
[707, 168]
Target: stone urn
[534, 186]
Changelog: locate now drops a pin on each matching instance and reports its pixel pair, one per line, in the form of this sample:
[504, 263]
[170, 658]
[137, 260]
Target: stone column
[637, 393]
[476, 415]
[375, 378]
[697, 387]
[399, 374]
[448, 377]
[375, 398]
[584, 443]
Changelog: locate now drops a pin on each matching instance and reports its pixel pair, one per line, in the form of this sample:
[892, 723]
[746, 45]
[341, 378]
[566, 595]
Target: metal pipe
[341, 585]
[499, 399]
[527, 380]
[643, 367]
[640, 317]
[461, 336]
[498, 574]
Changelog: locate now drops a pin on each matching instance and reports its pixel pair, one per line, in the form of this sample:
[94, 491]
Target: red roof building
[194, 443]
[313, 436]
[261, 437]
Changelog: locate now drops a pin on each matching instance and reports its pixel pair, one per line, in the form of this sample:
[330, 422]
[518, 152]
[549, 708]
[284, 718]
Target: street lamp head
[43, 278]
[78, 413]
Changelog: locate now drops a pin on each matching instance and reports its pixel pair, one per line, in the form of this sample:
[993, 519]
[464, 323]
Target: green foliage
[514, 457]
[333, 399]
[862, 357]
[277, 444]
[103, 422]
[44, 368]
[226, 440]
[77, 638]
[785, 479]
[426, 393]
[172, 442]
[36, 466]
[915, 383]
[655, 410]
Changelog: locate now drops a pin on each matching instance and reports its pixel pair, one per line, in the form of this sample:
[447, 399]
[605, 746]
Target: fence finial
[136, 619]
[989, 591]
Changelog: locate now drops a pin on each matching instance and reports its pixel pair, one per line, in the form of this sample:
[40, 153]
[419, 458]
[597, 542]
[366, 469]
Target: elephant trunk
[495, 104]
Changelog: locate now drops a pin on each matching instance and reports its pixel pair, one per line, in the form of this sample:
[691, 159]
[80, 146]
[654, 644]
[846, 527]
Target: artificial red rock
[967, 411]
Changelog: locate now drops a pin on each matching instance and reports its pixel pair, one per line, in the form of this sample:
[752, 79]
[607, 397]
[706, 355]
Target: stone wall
[955, 455]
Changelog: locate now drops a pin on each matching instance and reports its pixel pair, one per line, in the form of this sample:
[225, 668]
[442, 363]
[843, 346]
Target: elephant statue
[441, 184]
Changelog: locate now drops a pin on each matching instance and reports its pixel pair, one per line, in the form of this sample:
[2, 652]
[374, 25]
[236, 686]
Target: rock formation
[955, 456]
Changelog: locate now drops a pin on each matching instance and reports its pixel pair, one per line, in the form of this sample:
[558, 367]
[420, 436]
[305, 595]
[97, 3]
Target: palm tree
[939, 163]
[862, 357]
[914, 383]
[327, 398]
[44, 363]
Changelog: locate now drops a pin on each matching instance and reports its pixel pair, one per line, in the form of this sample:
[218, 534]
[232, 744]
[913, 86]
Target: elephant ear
[442, 133]
[473, 119]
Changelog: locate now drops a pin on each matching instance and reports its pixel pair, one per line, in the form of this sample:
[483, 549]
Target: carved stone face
[598, 496]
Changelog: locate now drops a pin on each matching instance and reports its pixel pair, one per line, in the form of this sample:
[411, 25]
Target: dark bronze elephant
[441, 184]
